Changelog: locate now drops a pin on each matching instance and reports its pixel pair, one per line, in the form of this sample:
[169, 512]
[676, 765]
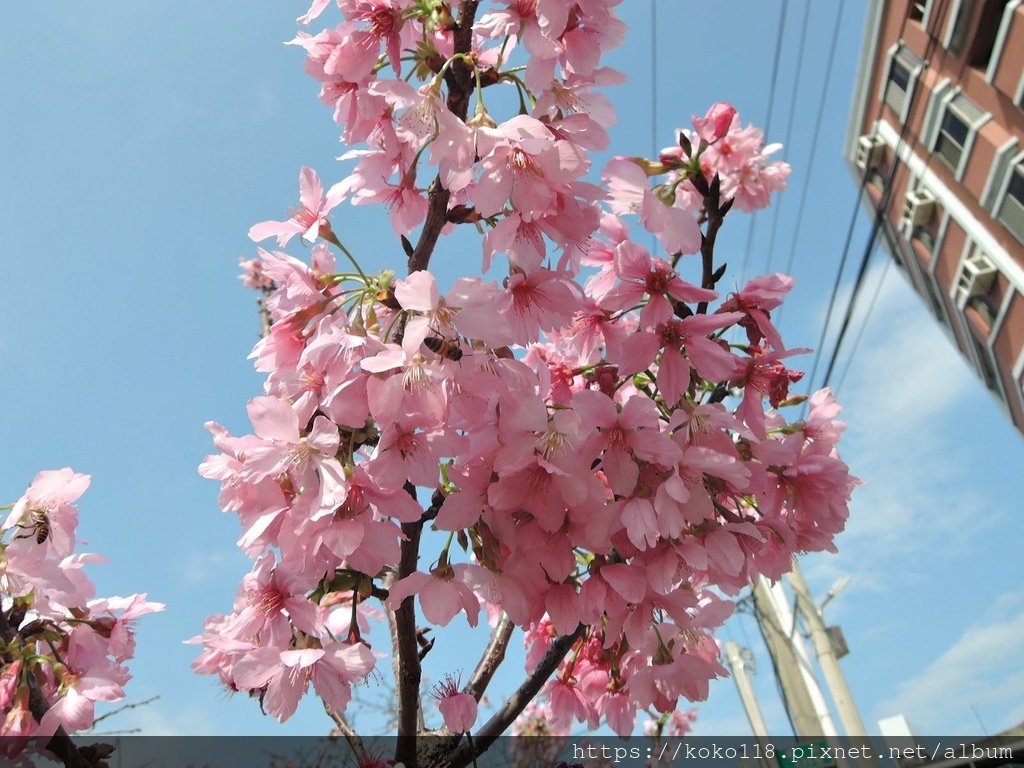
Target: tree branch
[491, 659]
[715, 214]
[517, 702]
[60, 743]
[124, 707]
[265, 320]
[404, 638]
[460, 86]
[354, 742]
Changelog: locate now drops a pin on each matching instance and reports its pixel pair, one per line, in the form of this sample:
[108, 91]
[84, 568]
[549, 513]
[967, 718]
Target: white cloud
[198, 567]
[920, 431]
[908, 399]
[983, 668]
[906, 371]
[905, 381]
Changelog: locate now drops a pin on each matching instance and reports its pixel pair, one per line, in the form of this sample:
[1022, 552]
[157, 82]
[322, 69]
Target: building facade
[938, 122]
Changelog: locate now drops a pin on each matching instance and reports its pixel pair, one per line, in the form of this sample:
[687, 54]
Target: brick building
[940, 89]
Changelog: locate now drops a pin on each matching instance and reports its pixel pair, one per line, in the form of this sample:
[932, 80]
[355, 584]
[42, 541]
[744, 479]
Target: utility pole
[804, 700]
[738, 667]
[834, 677]
[787, 621]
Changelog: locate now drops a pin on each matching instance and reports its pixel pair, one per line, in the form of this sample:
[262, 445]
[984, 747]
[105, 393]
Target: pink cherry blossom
[632, 434]
[443, 593]
[306, 220]
[121, 626]
[383, 25]
[523, 164]
[673, 221]
[457, 708]
[49, 501]
[641, 275]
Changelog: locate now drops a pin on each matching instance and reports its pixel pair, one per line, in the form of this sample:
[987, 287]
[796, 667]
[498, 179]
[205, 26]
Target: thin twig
[491, 659]
[517, 702]
[123, 708]
[355, 743]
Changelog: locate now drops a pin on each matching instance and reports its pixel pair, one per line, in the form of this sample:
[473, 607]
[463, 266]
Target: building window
[956, 26]
[937, 307]
[961, 119]
[904, 67]
[1010, 212]
[918, 11]
[899, 84]
[952, 138]
[987, 368]
[987, 33]
[978, 289]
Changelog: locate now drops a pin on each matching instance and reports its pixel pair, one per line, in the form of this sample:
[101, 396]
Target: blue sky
[141, 140]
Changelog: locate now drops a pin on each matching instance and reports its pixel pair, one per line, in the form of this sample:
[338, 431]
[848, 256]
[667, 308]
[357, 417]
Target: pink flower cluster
[595, 447]
[60, 644]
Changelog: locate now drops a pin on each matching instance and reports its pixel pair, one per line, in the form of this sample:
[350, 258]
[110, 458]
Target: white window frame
[940, 239]
[956, 26]
[960, 302]
[973, 125]
[1015, 168]
[1001, 35]
[997, 174]
[986, 349]
[1004, 307]
[914, 65]
[926, 12]
[933, 109]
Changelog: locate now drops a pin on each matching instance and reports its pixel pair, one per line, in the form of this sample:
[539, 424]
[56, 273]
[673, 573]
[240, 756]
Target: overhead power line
[654, 98]
[767, 126]
[789, 127]
[881, 281]
[879, 216]
[864, 325]
[825, 83]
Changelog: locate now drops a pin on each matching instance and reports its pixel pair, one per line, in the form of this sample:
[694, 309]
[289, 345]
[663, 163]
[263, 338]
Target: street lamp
[841, 583]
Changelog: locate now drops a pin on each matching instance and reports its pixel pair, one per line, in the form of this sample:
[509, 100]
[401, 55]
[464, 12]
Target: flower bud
[17, 727]
[9, 684]
[715, 124]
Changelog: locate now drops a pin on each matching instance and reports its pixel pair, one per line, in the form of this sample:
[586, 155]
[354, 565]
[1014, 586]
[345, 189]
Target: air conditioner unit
[869, 152]
[978, 275]
[919, 207]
